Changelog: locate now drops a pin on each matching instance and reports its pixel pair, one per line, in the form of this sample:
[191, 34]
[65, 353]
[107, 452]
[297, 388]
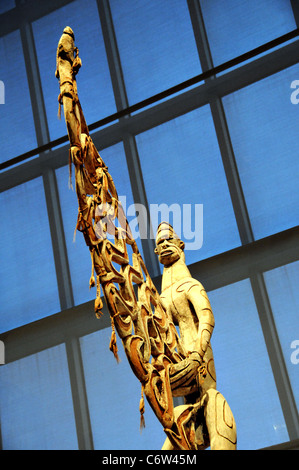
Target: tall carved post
[161, 359]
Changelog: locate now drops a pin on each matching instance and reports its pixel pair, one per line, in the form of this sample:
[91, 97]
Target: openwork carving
[139, 315]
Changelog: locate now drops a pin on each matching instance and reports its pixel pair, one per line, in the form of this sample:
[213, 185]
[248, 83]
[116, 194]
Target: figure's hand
[186, 371]
[202, 369]
[196, 357]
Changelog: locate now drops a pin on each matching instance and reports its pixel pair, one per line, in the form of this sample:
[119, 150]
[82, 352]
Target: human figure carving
[188, 306]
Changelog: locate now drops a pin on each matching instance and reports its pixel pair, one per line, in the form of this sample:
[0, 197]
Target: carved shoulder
[188, 283]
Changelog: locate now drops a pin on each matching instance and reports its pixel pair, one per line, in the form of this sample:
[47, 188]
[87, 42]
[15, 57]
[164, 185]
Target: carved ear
[182, 245]
[156, 251]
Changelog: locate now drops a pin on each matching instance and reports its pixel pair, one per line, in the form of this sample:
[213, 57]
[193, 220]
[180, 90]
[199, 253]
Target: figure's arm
[204, 317]
[182, 375]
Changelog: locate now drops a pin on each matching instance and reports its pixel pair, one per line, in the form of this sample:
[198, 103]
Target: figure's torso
[180, 310]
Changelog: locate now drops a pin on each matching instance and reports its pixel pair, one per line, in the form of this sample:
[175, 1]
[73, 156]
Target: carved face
[169, 247]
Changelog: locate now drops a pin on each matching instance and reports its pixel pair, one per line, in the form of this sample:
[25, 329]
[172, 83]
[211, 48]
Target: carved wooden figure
[194, 378]
[166, 364]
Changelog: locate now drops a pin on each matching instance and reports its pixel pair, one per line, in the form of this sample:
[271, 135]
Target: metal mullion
[139, 195]
[58, 240]
[112, 53]
[231, 171]
[159, 113]
[49, 177]
[34, 83]
[240, 263]
[76, 374]
[32, 10]
[295, 7]
[224, 141]
[280, 373]
[246, 234]
[129, 142]
[79, 394]
[200, 35]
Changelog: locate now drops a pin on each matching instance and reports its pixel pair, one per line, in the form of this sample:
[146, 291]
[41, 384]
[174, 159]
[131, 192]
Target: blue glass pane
[263, 125]
[243, 369]
[182, 168]
[156, 45]
[282, 285]
[17, 132]
[93, 80]
[78, 252]
[36, 403]
[114, 394]
[235, 27]
[28, 280]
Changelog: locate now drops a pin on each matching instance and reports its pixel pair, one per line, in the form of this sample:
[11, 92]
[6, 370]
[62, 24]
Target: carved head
[68, 30]
[169, 247]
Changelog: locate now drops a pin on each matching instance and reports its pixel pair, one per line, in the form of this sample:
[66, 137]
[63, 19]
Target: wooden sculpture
[165, 363]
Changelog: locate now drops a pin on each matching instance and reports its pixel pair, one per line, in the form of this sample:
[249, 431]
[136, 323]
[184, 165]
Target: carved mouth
[166, 253]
